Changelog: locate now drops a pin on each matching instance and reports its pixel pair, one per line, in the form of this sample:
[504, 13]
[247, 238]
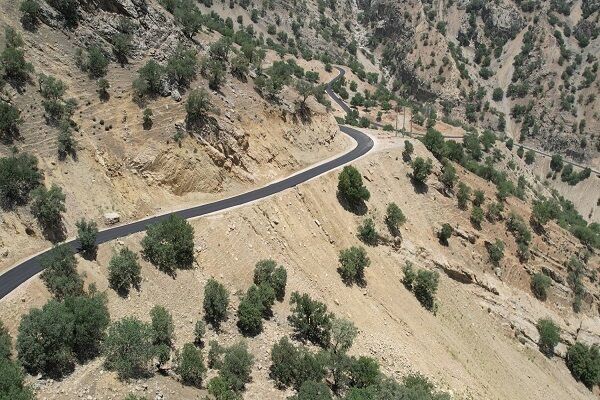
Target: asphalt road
[21, 272]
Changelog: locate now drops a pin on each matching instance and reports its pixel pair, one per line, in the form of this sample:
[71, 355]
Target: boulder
[112, 218]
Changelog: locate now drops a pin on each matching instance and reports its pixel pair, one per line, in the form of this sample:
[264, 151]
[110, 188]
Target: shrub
[476, 217]
[478, 198]
[266, 271]
[425, 286]
[343, 333]
[87, 231]
[549, 336]
[584, 363]
[409, 275]
[448, 177]
[45, 339]
[367, 232]
[557, 163]
[421, 169]
[498, 94]
[408, 150]
[169, 244]
[149, 79]
[236, 368]
[122, 46]
[540, 283]
[529, 157]
[162, 326]
[394, 218]
[10, 120]
[576, 271]
[216, 300]
[496, 251]
[353, 262]
[494, 211]
[124, 271]
[12, 58]
[60, 272]
[30, 10]
[250, 313]
[97, 63]
[48, 205]
[190, 366]
[181, 65]
[310, 319]
[445, 233]
[463, 195]
[128, 348]
[5, 343]
[350, 186]
[19, 175]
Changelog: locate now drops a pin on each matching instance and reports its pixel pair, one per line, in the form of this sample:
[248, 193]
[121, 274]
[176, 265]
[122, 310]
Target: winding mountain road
[24, 270]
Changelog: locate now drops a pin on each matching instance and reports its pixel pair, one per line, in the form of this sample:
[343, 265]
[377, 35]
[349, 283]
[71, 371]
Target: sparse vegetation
[540, 283]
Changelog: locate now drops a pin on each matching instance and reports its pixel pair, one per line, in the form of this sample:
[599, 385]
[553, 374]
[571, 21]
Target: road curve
[21, 272]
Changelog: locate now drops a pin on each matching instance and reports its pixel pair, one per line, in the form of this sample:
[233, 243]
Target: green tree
[364, 372]
[434, 142]
[367, 232]
[5, 342]
[544, 211]
[103, 86]
[421, 169]
[198, 106]
[149, 79]
[394, 218]
[12, 59]
[90, 320]
[162, 326]
[48, 205]
[19, 174]
[87, 232]
[478, 198]
[182, 65]
[30, 10]
[190, 366]
[498, 94]
[124, 271]
[448, 177]
[97, 63]
[169, 244]
[216, 300]
[12, 382]
[69, 10]
[529, 157]
[463, 195]
[409, 275]
[10, 119]
[122, 47]
[584, 363]
[343, 333]
[351, 188]
[425, 286]
[476, 217]
[267, 272]
[496, 251]
[540, 283]
[353, 262]
[549, 336]
[311, 390]
[147, 118]
[45, 338]
[250, 313]
[237, 366]
[408, 151]
[445, 233]
[310, 319]
[128, 348]
[292, 366]
[60, 272]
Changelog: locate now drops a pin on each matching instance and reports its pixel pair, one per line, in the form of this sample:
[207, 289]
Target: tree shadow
[54, 233]
[418, 186]
[359, 208]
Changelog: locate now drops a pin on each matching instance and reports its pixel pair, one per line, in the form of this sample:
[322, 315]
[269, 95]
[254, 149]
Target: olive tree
[169, 244]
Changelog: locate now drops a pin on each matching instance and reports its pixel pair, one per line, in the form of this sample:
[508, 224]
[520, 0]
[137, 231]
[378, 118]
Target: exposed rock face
[502, 19]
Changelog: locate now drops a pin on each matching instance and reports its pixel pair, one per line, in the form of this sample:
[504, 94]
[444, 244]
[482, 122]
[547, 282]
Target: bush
[540, 283]
[19, 175]
[216, 300]
[12, 382]
[496, 251]
[5, 343]
[549, 336]
[162, 326]
[45, 339]
[12, 59]
[584, 363]
[149, 79]
[97, 63]
[478, 198]
[169, 244]
[190, 366]
[30, 10]
[494, 212]
[353, 262]
[557, 163]
[250, 312]
[87, 231]
[60, 272]
[128, 348]
[267, 272]
[476, 217]
[236, 368]
[425, 286]
[394, 218]
[350, 186]
[498, 94]
[10, 120]
[310, 319]
[529, 157]
[47, 206]
[124, 271]
[421, 169]
[292, 366]
[445, 233]
[182, 65]
[367, 232]
[122, 46]
[448, 177]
